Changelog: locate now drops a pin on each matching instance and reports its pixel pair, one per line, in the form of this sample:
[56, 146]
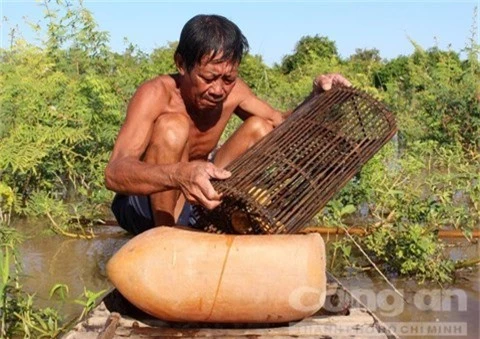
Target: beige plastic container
[181, 275]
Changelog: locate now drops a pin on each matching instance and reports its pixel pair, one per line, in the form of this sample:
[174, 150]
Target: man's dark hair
[210, 34]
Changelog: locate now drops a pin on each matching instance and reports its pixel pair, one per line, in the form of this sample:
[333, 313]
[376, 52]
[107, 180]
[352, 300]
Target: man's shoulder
[157, 91]
[159, 84]
[241, 85]
[152, 96]
[241, 91]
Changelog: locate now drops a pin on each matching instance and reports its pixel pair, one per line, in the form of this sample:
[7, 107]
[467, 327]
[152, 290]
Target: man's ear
[180, 64]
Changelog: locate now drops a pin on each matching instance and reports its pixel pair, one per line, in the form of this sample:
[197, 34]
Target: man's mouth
[214, 101]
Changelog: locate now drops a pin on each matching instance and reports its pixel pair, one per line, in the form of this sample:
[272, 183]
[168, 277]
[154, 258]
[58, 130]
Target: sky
[274, 27]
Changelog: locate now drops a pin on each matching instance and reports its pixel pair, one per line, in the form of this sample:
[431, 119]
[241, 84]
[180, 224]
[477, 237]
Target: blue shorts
[134, 213]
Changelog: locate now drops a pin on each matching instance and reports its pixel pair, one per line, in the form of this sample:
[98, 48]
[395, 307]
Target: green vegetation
[19, 317]
[64, 102]
[18, 314]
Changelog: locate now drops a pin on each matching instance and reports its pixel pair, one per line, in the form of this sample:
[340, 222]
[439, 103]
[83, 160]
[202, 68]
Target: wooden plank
[111, 325]
[357, 324]
[355, 321]
[353, 328]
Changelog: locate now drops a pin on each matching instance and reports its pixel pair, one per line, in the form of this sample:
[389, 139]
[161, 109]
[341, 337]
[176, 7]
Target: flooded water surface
[80, 264]
[423, 310]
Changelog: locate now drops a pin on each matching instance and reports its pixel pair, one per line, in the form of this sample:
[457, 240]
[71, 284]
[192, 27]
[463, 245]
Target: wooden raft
[344, 316]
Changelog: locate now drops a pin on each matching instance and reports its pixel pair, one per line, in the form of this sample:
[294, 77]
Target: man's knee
[170, 132]
[258, 127]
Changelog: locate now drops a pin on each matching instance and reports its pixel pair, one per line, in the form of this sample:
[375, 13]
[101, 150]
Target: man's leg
[247, 135]
[168, 145]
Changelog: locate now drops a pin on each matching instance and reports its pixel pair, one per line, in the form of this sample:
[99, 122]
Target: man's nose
[216, 89]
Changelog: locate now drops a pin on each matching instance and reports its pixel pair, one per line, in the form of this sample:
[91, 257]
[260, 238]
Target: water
[428, 311]
[50, 260]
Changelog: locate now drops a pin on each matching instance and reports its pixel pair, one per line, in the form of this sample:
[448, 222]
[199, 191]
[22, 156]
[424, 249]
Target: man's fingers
[210, 193]
[211, 204]
[198, 189]
[218, 173]
[208, 197]
[325, 82]
[204, 196]
[340, 80]
[205, 192]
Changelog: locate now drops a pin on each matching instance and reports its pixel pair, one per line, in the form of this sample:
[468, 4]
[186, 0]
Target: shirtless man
[174, 122]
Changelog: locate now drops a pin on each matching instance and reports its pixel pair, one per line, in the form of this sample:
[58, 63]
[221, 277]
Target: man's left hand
[325, 82]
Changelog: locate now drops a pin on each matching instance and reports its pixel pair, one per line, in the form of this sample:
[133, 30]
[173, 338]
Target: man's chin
[209, 105]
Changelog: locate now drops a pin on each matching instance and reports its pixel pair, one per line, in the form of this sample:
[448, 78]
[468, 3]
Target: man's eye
[207, 79]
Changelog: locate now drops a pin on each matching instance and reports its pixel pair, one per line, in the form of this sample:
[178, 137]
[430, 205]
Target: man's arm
[126, 173]
[251, 105]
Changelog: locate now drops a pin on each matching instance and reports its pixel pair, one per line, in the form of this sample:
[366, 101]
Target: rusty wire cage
[283, 181]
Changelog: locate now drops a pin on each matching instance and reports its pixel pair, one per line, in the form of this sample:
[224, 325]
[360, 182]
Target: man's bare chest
[203, 139]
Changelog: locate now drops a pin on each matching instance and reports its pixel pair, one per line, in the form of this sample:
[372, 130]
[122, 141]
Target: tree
[366, 55]
[308, 49]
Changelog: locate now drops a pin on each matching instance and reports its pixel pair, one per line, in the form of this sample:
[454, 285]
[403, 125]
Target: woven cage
[284, 180]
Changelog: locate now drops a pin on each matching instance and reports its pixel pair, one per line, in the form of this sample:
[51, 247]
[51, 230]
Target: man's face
[210, 82]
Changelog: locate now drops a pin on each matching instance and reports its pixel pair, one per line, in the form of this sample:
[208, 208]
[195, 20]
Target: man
[174, 122]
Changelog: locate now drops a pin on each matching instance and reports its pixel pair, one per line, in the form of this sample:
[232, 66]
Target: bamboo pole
[364, 231]
[361, 231]
[467, 263]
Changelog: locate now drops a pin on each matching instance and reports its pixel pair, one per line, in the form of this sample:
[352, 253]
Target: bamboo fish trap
[283, 181]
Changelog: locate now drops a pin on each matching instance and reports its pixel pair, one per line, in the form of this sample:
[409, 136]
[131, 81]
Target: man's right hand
[193, 179]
